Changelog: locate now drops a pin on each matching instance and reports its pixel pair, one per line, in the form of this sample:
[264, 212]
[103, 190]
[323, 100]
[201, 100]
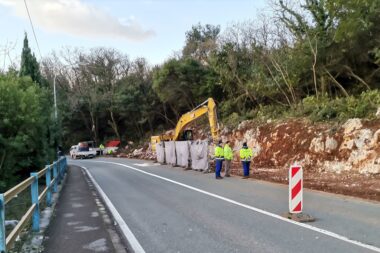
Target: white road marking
[77, 205]
[68, 215]
[97, 246]
[73, 223]
[258, 210]
[143, 164]
[81, 229]
[136, 247]
[94, 214]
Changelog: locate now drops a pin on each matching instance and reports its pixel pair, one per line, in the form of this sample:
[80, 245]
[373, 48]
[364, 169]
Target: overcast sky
[153, 29]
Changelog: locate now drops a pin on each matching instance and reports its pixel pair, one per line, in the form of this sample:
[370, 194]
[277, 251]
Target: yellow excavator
[180, 133]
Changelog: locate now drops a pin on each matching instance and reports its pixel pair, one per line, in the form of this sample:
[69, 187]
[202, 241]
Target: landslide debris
[338, 158]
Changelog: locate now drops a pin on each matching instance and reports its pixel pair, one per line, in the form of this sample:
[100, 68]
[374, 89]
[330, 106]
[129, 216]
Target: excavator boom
[207, 107]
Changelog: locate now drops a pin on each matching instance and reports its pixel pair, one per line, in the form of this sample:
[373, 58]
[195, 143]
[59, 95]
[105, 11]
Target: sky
[153, 29]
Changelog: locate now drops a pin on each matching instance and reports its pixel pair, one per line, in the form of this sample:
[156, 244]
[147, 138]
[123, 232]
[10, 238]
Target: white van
[72, 150]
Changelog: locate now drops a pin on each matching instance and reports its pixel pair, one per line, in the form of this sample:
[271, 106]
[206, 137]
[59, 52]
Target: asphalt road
[187, 211]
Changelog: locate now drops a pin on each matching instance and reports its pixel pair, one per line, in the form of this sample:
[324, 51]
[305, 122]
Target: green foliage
[201, 41]
[232, 120]
[23, 129]
[271, 112]
[319, 59]
[183, 84]
[29, 64]
[110, 97]
[323, 108]
[355, 17]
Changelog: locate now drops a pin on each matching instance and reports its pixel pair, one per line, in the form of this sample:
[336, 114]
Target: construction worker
[245, 157]
[219, 157]
[101, 147]
[228, 155]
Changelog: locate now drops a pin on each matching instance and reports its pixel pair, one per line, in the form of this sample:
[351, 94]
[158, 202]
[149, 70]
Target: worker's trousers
[219, 164]
[246, 168]
[227, 167]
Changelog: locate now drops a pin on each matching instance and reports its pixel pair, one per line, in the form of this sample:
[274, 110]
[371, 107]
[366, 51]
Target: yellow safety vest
[228, 154]
[246, 154]
[219, 152]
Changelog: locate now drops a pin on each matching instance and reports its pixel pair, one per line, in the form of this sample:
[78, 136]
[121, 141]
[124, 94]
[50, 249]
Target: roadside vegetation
[27, 130]
[315, 58]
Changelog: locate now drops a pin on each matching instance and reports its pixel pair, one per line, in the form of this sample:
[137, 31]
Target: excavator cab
[187, 135]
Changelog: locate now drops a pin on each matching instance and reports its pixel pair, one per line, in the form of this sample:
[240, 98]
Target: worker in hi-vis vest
[245, 157]
[219, 157]
[228, 156]
[101, 147]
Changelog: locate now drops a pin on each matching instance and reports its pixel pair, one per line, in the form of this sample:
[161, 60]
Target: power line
[31, 23]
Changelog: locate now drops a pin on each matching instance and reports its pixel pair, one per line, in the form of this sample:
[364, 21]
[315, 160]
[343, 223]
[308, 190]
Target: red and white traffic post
[296, 196]
[295, 189]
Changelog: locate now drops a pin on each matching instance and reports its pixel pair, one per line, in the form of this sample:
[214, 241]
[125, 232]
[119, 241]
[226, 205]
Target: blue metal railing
[59, 169]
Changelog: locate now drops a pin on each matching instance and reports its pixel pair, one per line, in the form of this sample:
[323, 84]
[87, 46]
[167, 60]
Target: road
[172, 210]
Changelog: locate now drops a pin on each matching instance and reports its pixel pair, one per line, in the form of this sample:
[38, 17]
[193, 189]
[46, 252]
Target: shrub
[232, 120]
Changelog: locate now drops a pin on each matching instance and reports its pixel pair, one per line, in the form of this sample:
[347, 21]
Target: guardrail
[58, 168]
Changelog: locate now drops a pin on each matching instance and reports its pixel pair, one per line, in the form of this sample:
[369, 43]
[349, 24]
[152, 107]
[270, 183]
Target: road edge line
[135, 245]
[258, 210]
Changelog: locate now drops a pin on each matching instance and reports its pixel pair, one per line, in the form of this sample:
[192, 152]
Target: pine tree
[29, 64]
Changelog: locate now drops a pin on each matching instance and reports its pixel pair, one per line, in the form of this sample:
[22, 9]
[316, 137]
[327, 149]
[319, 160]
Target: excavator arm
[209, 107]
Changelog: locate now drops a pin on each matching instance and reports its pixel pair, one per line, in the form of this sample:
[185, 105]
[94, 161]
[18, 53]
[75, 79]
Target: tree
[23, 143]
[200, 42]
[340, 39]
[105, 96]
[29, 64]
[183, 83]
[311, 48]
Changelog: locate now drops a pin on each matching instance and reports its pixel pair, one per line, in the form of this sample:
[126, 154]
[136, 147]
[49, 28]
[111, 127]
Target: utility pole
[55, 97]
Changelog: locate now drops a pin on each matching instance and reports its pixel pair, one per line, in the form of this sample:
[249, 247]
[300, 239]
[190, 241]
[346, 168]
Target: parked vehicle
[111, 147]
[72, 150]
[81, 151]
[92, 146]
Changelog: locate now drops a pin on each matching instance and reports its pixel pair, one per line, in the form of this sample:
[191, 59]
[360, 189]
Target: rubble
[332, 156]
[137, 152]
[351, 125]
[331, 144]
[370, 169]
[244, 125]
[335, 166]
[317, 145]
[348, 144]
[378, 112]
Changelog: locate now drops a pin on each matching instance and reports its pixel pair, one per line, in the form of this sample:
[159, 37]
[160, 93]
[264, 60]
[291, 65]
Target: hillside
[338, 158]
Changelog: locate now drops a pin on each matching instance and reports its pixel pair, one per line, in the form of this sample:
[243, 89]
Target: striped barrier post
[295, 189]
[296, 196]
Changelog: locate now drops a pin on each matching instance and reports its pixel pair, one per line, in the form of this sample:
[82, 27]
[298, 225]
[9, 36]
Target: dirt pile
[144, 152]
[339, 158]
[336, 158]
